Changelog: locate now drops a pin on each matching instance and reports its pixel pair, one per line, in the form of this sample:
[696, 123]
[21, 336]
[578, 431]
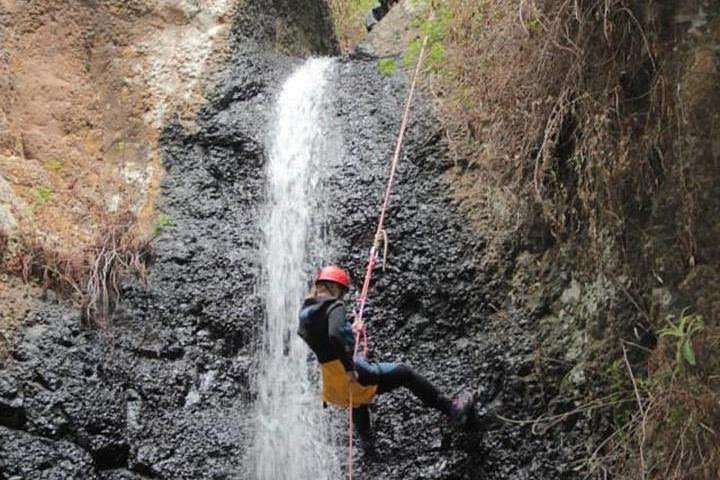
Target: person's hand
[352, 376]
[358, 326]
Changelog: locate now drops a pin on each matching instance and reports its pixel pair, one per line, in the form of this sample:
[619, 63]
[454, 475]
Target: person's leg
[363, 426]
[361, 420]
[386, 5]
[389, 376]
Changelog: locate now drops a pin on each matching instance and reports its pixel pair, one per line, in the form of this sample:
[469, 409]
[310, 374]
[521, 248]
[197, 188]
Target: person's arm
[336, 335]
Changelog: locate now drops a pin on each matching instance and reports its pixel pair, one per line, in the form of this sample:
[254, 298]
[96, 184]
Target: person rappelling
[325, 326]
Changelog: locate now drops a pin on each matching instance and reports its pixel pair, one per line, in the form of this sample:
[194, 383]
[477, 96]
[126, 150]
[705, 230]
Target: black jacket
[327, 331]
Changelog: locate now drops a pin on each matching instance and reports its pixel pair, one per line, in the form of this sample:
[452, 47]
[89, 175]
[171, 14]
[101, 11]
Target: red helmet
[333, 273]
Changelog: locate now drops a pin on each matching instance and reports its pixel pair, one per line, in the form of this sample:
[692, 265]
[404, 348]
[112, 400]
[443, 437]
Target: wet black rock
[295, 27]
[12, 404]
[24, 456]
[122, 474]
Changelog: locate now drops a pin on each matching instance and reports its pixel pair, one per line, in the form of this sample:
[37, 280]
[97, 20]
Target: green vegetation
[616, 376]
[387, 66]
[434, 25]
[42, 194]
[411, 55]
[659, 402]
[671, 404]
[53, 165]
[162, 221]
[682, 333]
[533, 25]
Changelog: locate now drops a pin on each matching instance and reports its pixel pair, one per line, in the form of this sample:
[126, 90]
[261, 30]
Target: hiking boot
[461, 407]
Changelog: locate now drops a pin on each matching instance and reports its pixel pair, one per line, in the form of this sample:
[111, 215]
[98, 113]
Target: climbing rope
[380, 237]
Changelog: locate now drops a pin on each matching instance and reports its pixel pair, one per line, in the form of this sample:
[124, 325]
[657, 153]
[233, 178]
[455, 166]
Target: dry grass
[577, 107]
[563, 97]
[349, 20]
[84, 97]
[90, 276]
[673, 431]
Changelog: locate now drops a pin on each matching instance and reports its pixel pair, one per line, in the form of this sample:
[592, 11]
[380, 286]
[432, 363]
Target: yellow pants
[337, 389]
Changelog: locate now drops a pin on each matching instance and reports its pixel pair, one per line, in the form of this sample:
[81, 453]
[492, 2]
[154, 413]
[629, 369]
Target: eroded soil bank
[85, 93]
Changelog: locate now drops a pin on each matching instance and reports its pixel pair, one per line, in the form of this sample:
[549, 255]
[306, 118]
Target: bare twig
[553, 420]
[640, 406]
[520, 15]
[611, 437]
[632, 300]
[642, 34]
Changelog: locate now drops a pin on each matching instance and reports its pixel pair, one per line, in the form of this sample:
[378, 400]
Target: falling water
[293, 439]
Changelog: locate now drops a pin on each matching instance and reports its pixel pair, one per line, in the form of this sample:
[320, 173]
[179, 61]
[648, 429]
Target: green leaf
[688, 353]
[162, 221]
[533, 25]
[411, 55]
[387, 66]
[53, 165]
[42, 194]
[670, 332]
[436, 55]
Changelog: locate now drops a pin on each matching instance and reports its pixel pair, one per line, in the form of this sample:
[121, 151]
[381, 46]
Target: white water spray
[293, 438]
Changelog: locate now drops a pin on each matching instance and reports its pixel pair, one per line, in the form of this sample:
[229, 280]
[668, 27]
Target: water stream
[293, 438]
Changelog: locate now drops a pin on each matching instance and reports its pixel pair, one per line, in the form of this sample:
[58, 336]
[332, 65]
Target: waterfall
[293, 438]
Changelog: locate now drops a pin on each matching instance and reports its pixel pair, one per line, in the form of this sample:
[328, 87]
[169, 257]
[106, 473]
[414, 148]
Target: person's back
[313, 326]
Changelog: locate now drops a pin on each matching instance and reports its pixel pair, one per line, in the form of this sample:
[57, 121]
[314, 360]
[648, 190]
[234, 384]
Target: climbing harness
[380, 238]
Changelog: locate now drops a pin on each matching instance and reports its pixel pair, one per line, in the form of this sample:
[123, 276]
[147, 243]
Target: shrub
[682, 333]
[671, 429]
[387, 66]
[90, 276]
[162, 221]
[53, 165]
[435, 25]
[584, 116]
[42, 194]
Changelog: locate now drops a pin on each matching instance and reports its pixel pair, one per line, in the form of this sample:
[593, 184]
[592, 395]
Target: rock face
[305, 28]
[391, 37]
[166, 391]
